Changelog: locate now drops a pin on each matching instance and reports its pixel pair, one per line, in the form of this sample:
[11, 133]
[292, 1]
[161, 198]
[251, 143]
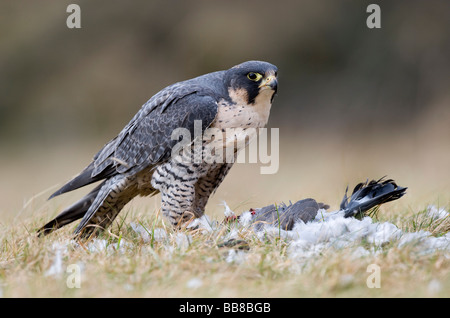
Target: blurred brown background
[353, 102]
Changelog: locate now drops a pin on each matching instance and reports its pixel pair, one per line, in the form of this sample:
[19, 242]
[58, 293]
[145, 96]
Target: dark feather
[72, 213]
[284, 215]
[146, 140]
[367, 195]
[84, 178]
[150, 142]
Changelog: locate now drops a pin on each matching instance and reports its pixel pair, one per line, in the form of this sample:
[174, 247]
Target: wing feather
[146, 140]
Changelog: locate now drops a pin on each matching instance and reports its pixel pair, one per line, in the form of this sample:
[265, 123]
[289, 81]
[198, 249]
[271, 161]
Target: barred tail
[72, 213]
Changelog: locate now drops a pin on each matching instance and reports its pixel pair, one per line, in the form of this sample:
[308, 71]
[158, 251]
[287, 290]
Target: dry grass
[131, 267]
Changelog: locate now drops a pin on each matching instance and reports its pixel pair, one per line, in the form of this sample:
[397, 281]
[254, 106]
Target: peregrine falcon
[141, 160]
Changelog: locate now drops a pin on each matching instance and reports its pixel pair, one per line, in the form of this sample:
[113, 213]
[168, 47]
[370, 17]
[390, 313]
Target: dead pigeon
[365, 196]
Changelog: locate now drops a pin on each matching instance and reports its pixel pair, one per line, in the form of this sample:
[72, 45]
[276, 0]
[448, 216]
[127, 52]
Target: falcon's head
[251, 79]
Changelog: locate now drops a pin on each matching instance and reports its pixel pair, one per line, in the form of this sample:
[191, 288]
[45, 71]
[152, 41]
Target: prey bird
[365, 197]
[140, 160]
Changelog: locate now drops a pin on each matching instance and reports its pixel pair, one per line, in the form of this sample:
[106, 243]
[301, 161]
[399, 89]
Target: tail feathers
[112, 197]
[72, 213]
[367, 195]
[84, 178]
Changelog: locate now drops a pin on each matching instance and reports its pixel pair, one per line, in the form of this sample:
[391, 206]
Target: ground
[142, 258]
[126, 262]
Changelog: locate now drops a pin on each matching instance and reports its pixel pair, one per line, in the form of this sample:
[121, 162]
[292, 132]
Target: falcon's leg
[176, 182]
[177, 202]
[206, 185]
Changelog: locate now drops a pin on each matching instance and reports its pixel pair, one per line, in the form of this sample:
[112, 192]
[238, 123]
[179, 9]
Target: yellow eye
[254, 76]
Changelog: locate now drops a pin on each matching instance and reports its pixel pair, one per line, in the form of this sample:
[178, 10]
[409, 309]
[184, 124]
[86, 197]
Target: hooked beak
[270, 82]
